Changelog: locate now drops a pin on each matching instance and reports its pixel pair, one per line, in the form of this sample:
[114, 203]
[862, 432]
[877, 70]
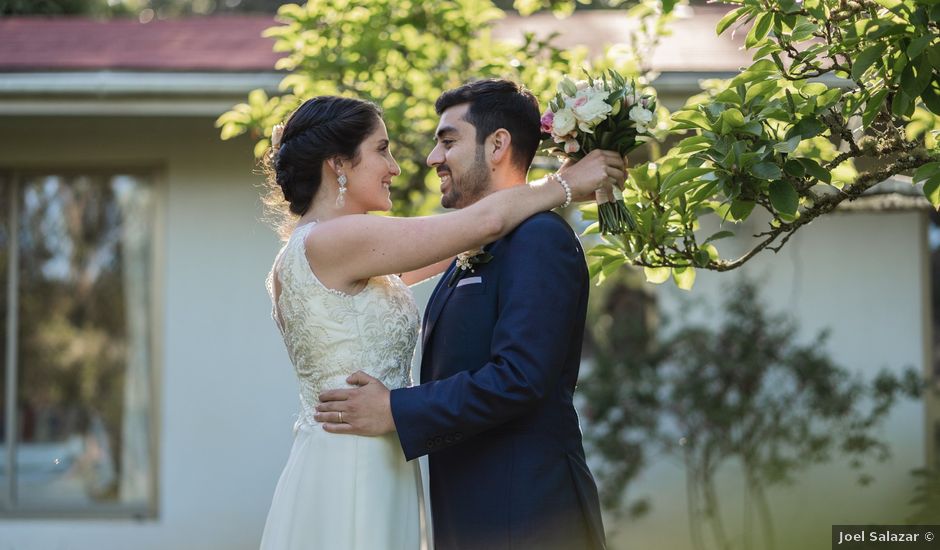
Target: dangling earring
[341, 199]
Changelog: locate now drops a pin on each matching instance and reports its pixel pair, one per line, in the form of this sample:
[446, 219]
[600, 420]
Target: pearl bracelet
[564, 185]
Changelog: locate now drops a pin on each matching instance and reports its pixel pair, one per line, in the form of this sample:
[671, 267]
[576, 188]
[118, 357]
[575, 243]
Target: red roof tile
[234, 43]
[220, 43]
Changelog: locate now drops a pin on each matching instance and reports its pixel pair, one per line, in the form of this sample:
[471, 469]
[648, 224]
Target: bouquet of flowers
[599, 113]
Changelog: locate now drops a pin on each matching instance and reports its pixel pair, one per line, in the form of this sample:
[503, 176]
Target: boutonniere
[466, 261]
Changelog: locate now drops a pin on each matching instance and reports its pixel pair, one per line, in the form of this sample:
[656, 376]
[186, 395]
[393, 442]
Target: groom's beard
[470, 186]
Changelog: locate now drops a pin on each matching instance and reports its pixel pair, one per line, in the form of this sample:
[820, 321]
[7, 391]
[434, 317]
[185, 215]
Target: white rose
[640, 116]
[564, 122]
[592, 109]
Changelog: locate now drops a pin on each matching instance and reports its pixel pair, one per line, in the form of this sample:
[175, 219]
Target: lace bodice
[330, 334]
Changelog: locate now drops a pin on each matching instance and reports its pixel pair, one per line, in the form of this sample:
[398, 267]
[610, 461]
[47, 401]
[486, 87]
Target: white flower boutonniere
[277, 133]
[466, 262]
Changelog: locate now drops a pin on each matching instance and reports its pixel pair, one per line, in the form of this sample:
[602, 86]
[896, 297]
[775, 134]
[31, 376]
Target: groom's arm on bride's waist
[541, 291]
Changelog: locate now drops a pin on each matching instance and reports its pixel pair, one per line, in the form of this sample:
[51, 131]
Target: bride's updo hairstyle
[321, 128]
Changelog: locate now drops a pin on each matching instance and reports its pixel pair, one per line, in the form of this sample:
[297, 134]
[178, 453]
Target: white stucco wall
[226, 394]
[860, 275]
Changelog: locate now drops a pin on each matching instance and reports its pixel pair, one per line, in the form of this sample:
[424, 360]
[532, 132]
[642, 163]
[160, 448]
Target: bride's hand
[598, 169]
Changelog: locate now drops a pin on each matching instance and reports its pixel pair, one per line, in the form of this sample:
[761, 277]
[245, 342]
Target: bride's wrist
[556, 178]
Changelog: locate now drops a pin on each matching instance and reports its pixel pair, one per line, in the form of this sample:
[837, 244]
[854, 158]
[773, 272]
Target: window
[76, 309]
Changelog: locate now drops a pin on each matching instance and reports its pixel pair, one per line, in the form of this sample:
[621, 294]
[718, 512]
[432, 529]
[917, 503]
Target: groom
[502, 349]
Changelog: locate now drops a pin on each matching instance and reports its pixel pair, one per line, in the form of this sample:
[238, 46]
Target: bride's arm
[411, 278]
[357, 247]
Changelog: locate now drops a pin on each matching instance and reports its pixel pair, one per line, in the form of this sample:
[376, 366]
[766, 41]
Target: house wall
[859, 275]
[226, 393]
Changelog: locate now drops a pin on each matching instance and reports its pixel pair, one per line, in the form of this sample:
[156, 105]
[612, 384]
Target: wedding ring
[341, 417]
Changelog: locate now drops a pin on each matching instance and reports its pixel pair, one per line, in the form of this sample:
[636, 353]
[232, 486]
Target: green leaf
[918, 45]
[829, 97]
[813, 88]
[759, 30]
[765, 89]
[733, 117]
[931, 97]
[684, 174]
[794, 168]
[592, 229]
[803, 31]
[902, 105]
[932, 191]
[719, 235]
[684, 277]
[926, 172]
[789, 145]
[753, 127]
[731, 17]
[729, 96]
[612, 264]
[766, 171]
[872, 106]
[605, 251]
[865, 60]
[594, 269]
[692, 118]
[933, 51]
[783, 197]
[916, 76]
[656, 275]
[740, 210]
[700, 258]
[815, 170]
[693, 143]
[806, 128]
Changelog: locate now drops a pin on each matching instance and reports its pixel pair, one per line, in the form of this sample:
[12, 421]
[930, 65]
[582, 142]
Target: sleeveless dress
[343, 492]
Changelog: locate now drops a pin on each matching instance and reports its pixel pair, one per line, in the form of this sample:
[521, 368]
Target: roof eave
[128, 93]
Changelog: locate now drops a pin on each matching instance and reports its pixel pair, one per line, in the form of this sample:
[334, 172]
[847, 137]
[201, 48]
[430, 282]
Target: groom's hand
[366, 410]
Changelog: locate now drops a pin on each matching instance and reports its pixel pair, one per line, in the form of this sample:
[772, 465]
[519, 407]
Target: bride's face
[369, 181]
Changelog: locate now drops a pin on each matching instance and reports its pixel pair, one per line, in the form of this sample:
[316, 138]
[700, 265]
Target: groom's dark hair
[497, 103]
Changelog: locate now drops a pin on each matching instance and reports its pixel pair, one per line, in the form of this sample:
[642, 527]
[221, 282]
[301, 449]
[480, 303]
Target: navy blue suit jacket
[494, 409]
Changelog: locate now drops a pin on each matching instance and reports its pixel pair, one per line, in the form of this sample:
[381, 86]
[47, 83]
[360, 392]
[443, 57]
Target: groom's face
[459, 160]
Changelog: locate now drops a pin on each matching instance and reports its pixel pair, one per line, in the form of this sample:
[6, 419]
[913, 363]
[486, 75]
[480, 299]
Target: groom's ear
[499, 145]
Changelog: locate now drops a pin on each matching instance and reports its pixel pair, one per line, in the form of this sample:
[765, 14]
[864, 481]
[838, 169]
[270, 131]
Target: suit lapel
[436, 304]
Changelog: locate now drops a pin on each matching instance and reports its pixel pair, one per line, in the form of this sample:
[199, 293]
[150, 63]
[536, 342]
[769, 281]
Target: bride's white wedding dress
[343, 492]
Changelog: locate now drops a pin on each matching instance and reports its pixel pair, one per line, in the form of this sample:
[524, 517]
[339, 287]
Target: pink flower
[571, 146]
[547, 120]
[579, 101]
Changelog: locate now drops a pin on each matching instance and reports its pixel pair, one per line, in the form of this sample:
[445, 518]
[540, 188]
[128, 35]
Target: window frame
[11, 182]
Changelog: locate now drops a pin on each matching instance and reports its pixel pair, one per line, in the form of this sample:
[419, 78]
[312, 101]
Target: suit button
[448, 438]
[430, 443]
[438, 440]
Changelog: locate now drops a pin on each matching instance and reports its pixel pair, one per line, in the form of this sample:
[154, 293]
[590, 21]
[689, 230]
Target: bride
[340, 309]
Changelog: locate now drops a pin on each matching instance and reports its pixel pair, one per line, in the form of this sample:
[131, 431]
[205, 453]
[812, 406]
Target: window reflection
[83, 344]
